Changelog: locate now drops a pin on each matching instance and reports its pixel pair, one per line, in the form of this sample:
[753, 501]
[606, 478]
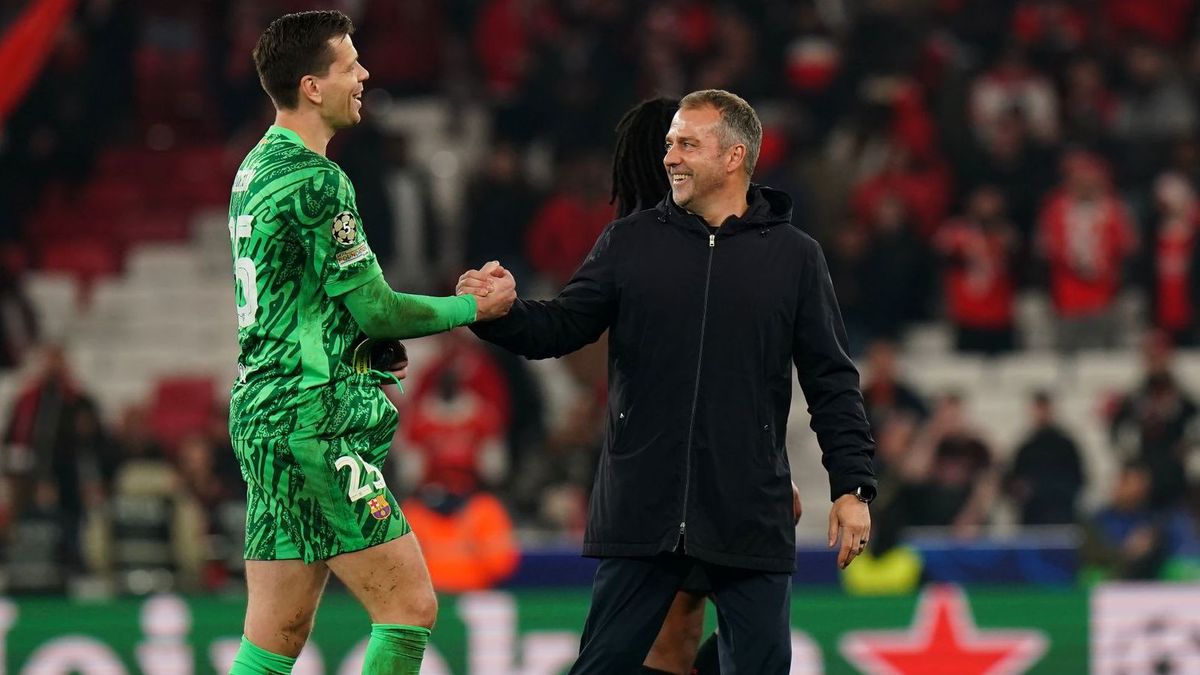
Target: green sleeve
[384, 313]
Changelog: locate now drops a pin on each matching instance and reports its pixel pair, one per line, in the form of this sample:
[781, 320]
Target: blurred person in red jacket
[568, 223]
[57, 460]
[466, 533]
[472, 367]
[977, 249]
[1174, 258]
[921, 181]
[1086, 236]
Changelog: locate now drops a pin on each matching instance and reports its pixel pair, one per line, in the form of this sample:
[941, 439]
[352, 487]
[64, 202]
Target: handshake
[494, 289]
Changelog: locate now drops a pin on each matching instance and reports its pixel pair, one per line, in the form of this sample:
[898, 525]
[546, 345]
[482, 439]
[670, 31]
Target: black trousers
[631, 596]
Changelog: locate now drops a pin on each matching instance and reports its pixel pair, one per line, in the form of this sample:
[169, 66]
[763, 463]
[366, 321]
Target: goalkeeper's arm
[384, 313]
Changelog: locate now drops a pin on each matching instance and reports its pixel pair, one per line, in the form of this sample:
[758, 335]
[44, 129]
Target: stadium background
[1005, 189]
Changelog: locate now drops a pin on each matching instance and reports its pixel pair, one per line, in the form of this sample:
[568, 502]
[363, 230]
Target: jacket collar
[768, 207]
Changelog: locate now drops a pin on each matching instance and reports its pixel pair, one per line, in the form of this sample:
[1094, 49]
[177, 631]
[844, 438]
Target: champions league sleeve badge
[345, 228]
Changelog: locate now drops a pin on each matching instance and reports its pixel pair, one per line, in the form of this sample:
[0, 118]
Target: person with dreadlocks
[709, 299]
[638, 183]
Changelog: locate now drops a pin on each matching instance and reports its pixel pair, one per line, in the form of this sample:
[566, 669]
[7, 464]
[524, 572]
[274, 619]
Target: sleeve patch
[352, 255]
[345, 229]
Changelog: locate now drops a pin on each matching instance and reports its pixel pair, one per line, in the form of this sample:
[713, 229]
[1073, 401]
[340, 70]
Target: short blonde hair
[739, 122]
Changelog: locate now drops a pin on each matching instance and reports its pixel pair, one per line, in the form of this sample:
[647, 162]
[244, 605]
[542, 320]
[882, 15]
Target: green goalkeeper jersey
[297, 245]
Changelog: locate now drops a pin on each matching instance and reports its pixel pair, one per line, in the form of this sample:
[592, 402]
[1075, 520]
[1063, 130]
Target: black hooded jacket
[704, 331]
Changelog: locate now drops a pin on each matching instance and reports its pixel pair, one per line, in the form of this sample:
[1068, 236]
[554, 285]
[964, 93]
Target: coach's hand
[852, 519]
[501, 292]
[479, 282]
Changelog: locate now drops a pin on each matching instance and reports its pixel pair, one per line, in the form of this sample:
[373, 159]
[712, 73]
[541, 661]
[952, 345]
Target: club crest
[380, 508]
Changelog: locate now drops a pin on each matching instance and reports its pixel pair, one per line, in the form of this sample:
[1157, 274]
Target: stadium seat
[937, 375]
[181, 406]
[55, 298]
[87, 259]
[1029, 371]
[1106, 372]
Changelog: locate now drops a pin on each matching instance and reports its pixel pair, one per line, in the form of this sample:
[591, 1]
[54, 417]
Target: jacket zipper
[681, 542]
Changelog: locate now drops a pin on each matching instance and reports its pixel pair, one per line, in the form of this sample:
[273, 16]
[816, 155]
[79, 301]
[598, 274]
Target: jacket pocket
[769, 447]
[617, 422]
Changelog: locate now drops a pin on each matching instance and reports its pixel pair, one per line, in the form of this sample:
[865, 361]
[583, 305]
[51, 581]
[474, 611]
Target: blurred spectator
[19, 329]
[461, 409]
[1155, 424]
[569, 222]
[1086, 236]
[134, 436]
[1155, 107]
[978, 249]
[507, 33]
[466, 533]
[1049, 29]
[499, 208]
[892, 567]
[898, 473]
[467, 537]
[1089, 105]
[1165, 22]
[1125, 540]
[154, 539]
[554, 484]
[199, 475]
[235, 29]
[813, 65]
[1183, 535]
[454, 428]
[1017, 164]
[729, 63]
[1173, 286]
[206, 496]
[953, 471]
[417, 257]
[921, 183]
[403, 43]
[39, 445]
[395, 198]
[895, 271]
[1046, 477]
[847, 268]
[1012, 85]
[885, 395]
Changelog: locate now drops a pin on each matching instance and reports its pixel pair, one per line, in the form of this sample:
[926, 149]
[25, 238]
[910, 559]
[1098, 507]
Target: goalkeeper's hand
[382, 355]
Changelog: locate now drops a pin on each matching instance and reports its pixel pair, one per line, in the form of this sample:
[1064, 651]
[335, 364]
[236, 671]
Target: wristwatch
[864, 493]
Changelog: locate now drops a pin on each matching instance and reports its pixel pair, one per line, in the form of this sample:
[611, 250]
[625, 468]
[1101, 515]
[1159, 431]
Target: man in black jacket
[709, 299]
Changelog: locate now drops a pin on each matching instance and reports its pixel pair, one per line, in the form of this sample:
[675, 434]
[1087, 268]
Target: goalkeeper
[310, 425]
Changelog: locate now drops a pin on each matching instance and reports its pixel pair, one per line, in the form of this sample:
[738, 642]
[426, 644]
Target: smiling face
[340, 88]
[697, 164]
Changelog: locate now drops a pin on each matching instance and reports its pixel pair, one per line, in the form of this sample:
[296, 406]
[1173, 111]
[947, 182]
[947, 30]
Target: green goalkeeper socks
[254, 660]
[395, 649]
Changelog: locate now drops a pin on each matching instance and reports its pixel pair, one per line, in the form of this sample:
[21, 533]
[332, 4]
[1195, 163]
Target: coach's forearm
[384, 313]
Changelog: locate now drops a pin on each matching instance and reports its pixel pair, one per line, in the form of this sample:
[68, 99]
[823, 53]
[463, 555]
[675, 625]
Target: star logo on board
[943, 640]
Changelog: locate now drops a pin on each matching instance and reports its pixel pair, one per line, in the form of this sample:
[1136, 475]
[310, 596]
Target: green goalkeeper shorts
[310, 497]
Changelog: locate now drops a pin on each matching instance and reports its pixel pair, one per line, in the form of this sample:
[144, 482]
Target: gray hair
[739, 122]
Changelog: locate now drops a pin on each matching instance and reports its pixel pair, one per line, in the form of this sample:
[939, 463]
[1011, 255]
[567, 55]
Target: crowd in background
[950, 155]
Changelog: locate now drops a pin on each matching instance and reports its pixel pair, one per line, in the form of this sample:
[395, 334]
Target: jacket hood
[768, 207]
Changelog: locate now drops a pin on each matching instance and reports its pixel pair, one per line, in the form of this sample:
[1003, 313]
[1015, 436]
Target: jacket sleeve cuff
[845, 484]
